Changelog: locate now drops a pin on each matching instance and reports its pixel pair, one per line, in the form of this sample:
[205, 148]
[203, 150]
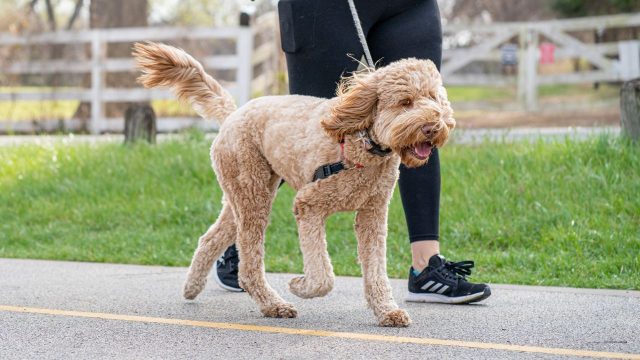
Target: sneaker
[445, 282]
[226, 273]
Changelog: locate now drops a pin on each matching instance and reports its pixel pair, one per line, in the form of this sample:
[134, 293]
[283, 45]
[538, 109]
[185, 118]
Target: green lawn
[563, 213]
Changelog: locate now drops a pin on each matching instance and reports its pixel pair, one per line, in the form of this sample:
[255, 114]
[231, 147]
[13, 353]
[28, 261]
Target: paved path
[79, 310]
[460, 136]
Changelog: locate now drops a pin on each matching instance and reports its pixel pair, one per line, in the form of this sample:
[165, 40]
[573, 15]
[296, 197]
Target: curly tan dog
[379, 118]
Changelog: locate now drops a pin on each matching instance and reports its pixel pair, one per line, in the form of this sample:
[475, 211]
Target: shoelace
[233, 265]
[231, 254]
[460, 268]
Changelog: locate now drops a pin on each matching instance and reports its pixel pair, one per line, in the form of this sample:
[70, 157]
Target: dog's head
[403, 106]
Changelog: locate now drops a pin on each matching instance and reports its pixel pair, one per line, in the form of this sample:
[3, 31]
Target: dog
[339, 154]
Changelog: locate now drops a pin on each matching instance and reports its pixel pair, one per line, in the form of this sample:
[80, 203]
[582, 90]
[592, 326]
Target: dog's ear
[355, 108]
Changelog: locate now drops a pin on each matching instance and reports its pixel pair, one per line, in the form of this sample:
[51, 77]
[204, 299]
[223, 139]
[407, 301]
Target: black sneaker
[227, 270]
[444, 282]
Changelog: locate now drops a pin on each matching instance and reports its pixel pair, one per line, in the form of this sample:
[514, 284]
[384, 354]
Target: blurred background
[65, 65]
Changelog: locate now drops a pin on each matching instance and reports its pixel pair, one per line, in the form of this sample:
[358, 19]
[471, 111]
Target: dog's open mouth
[422, 151]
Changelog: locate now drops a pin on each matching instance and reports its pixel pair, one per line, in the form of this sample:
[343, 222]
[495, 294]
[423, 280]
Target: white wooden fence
[616, 61]
[246, 57]
[611, 62]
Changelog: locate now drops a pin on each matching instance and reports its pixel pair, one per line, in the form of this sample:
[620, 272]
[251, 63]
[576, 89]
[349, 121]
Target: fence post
[629, 59]
[630, 109]
[522, 70]
[98, 54]
[244, 74]
[531, 70]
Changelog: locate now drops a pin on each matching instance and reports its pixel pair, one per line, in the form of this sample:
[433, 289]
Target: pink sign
[547, 51]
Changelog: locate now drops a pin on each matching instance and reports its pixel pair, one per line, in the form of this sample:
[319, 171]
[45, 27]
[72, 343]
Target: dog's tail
[165, 66]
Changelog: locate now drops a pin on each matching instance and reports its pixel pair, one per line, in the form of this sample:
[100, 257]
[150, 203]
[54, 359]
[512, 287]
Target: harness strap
[327, 170]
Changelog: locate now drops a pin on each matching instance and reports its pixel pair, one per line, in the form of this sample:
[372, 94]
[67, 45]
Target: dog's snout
[426, 130]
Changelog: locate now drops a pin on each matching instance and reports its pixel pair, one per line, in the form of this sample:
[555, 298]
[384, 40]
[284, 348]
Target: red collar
[358, 166]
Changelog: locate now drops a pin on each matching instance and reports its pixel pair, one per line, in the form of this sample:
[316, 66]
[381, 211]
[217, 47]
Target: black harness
[327, 170]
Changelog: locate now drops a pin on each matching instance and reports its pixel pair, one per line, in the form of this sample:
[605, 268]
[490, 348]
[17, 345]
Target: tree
[51, 14]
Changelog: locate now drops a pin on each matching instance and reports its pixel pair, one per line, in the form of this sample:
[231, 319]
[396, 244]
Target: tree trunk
[139, 123]
[630, 109]
[117, 13]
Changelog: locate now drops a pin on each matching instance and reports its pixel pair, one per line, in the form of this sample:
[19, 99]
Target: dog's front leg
[318, 276]
[371, 231]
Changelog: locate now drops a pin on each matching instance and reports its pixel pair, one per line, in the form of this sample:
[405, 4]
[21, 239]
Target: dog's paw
[282, 310]
[395, 318]
[304, 288]
[192, 288]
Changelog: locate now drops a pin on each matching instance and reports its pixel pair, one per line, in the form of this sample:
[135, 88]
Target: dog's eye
[406, 102]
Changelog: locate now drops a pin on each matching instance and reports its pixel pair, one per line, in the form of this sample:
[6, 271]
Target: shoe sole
[442, 299]
[223, 285]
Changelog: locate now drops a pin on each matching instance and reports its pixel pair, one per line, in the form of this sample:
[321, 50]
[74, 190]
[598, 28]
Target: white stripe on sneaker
[444, 288]
[425, 286]
[436, 287]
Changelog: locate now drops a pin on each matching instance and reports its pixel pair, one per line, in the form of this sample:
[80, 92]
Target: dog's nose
[426, 130]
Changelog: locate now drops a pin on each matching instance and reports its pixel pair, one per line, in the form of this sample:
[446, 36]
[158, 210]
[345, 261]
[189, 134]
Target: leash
[363, 39]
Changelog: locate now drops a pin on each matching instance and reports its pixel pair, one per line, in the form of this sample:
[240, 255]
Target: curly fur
[162, 65]
[402, 106]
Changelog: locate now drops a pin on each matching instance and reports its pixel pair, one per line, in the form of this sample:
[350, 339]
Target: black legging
[317, 35]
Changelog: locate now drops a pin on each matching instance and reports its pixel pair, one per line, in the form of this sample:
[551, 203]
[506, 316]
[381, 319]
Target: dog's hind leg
[318, 276]
[211, 245]
[252, 204]
[371, 231]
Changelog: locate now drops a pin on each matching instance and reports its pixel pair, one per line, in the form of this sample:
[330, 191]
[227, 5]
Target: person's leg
[320, 42]
[416, 32]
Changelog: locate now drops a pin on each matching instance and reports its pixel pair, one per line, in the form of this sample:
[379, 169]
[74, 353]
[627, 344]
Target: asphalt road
[62, 310]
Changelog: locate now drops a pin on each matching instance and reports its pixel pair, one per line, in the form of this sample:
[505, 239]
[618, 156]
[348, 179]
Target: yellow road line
[323, 333]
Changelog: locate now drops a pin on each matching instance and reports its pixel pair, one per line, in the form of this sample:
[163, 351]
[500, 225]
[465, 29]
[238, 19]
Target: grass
[64, 109]
[480, 93]
[563, 213]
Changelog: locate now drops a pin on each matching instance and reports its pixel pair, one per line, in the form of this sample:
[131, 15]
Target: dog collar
[372, 146]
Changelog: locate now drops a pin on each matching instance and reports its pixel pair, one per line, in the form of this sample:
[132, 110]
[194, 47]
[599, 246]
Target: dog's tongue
[423, 150]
